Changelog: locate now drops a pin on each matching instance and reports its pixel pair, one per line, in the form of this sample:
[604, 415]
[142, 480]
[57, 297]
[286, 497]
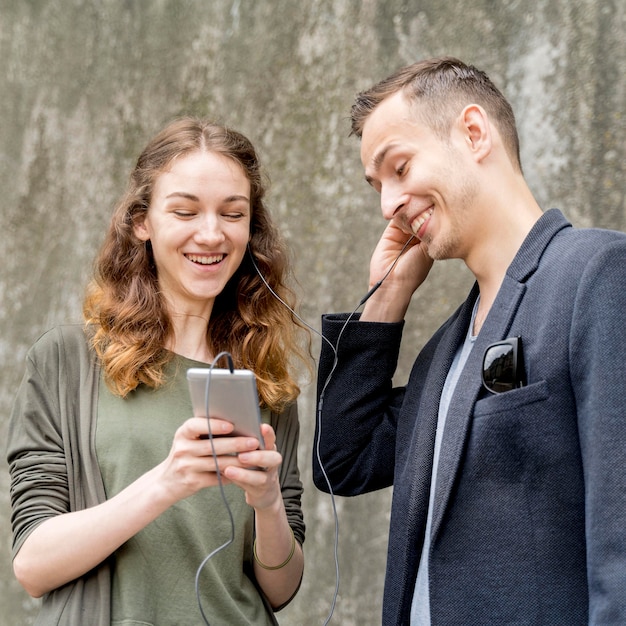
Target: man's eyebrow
[378, 159]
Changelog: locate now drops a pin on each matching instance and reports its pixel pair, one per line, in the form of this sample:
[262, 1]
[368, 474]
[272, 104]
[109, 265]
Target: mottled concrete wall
[83, 84]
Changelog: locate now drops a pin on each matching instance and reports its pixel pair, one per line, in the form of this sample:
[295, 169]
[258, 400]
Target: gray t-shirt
[420, 607]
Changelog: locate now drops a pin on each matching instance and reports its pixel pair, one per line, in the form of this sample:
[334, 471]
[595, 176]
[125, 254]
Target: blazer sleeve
[354, 447]
[598, 365]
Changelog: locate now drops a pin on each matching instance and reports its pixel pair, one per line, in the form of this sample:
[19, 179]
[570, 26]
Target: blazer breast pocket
[511, 401]
[515, 437]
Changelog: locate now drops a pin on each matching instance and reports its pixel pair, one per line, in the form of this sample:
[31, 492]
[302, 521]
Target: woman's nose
[209, 230]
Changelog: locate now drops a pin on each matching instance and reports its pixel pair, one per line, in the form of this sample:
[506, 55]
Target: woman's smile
[198, 224]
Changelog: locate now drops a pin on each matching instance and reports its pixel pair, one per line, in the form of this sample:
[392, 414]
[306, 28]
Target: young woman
[116, 495]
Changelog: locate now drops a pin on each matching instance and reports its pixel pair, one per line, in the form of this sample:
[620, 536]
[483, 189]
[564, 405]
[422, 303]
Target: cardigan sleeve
[35, 451]
[52, 462]
[287, 428]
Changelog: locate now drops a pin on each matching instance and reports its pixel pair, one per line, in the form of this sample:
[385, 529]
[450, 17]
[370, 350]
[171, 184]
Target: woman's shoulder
[62, 344]
[57, 336]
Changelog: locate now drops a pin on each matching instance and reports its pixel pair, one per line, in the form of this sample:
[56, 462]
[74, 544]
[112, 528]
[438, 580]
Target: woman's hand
[191, 464]
[76, 542]
[261, 486]
[278, 557]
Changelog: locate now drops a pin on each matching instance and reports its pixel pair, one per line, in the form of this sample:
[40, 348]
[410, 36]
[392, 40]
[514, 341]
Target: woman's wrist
[281, 565]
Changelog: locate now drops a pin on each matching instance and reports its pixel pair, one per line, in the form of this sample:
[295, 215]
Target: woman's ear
[140, 229]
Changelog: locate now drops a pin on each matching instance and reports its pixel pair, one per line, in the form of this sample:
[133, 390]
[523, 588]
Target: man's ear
[477, 131]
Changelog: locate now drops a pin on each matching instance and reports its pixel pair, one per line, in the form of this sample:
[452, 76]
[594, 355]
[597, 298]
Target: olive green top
[154, 572]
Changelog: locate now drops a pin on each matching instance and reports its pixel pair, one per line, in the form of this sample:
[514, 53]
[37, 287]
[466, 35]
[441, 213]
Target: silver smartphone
[232, 396]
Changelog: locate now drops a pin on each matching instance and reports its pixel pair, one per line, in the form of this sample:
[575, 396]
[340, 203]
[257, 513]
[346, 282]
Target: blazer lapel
[424, 402]
[496, 327]
[461, 410]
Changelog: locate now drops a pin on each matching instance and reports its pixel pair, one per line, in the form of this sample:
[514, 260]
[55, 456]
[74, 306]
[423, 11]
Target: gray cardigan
[52, 431]
[53, 465]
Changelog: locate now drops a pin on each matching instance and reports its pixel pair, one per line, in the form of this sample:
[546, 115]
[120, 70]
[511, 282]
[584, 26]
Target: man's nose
[392, 199]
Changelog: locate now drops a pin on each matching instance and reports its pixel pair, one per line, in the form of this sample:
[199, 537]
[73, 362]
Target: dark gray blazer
[529, 521]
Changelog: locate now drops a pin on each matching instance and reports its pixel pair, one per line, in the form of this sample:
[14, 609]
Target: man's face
[424, 182]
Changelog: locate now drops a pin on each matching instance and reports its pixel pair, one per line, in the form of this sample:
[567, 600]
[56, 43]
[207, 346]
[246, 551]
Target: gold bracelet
[274, 567]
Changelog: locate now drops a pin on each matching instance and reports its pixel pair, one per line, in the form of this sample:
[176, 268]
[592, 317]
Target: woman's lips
[205, 259]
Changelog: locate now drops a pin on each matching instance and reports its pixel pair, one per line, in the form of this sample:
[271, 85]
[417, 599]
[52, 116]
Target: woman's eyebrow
[183, 194]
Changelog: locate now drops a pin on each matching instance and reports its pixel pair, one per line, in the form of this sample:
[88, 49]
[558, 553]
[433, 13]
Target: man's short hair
[441, 88]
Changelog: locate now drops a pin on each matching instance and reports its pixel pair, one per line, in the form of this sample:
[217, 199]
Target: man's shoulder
[594, 235]
[578, 246]
[582, 261]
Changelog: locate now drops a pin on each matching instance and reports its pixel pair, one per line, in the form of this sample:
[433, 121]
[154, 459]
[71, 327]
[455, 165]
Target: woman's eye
[400, 170]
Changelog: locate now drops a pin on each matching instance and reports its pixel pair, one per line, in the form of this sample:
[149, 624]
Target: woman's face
[198, 224]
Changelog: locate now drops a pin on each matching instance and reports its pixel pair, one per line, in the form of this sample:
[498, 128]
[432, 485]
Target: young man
[507, 446]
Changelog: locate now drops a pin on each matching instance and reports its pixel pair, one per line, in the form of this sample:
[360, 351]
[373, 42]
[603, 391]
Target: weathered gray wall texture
[83, 85]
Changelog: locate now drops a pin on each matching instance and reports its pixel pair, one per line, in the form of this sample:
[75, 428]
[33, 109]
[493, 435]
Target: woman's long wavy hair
[126, 312]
